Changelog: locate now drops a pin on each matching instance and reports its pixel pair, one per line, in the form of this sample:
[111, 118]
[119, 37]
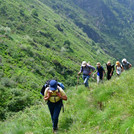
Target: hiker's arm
[64, 97]
[103, 74]
[122, 69]
[111, 72]
[92, 68]
[116, 69]
[130, 65]
[81, 69]
[95, 73]
[79, 73]
[48, 95]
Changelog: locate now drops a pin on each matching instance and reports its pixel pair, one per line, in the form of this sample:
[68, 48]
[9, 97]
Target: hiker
[110, 70]
[87, 71]
[119, 68]
[100, 73]
[54, 94]
[126, 65]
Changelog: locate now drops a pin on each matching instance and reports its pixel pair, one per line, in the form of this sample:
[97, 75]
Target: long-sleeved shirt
[87, 69]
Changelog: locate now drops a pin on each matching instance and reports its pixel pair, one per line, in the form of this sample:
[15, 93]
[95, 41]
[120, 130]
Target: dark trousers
[54, 109]
[108, 76]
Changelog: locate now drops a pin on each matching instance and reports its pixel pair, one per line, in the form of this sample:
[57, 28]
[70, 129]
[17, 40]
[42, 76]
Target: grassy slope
[37, 44]
[82, 112]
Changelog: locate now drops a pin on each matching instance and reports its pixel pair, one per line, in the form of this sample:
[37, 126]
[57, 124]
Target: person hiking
[110, 70]
[54, 96]
[119, 68]
[87, 71]
[100, 73]
[126, 65]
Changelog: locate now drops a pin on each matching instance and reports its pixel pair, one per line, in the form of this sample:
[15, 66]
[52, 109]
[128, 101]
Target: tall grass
[83, 114]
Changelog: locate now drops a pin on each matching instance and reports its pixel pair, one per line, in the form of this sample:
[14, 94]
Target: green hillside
[108, 22]
[36, 44]
[82, 111]
[46, 39]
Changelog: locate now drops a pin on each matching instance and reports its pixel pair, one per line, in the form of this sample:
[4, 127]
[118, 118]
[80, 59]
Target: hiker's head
[124, 61]
[84, 63]
[53, 85]
[117, 63]
[108, 63]
[98, 64]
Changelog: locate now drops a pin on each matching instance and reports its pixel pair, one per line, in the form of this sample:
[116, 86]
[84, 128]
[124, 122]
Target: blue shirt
[100, 71]
[87, 69]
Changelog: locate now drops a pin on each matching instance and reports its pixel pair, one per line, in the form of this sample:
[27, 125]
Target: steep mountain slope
[82, 111]
[109, 23]
[37, 44]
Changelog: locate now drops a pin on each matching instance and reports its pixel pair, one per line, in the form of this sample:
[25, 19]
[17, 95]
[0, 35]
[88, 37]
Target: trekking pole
[77, 82]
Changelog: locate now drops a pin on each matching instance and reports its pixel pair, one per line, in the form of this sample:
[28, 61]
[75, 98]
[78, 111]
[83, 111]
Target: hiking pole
[77, 82]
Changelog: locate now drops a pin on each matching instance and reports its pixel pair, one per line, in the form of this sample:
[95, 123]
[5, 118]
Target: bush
[7, 82]
[19, 101]
[34, 13]
[5, 30]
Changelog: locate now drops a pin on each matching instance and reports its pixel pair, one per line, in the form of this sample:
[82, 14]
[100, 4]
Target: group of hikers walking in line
[88, 70]
[54, 94]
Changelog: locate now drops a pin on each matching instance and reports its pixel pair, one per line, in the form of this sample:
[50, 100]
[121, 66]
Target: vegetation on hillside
[37, 44]
[39, 41]
[82, 111]
[109, 23]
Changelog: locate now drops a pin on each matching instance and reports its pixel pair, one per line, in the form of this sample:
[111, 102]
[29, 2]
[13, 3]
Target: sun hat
[53, 85]
[84, 63]
[124, 60]
[117, 62]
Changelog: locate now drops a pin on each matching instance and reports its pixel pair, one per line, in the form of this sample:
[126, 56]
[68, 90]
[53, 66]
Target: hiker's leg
[86, 81]
[84, 77]
[101, 79]
[98, 79]
[108, 76]
[51, 109]
[56, 114]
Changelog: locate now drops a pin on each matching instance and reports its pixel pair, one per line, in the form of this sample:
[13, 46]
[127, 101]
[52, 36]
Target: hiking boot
[55, 130]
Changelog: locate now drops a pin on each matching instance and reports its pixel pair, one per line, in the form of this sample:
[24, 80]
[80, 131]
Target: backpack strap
[61, 101]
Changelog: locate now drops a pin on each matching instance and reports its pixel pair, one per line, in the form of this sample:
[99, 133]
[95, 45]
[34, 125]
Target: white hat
[124, 60]
[84, 63]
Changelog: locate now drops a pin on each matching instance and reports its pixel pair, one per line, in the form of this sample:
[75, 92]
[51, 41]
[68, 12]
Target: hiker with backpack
[54, 95]
[110, 70]
[100, 73]
[87, 70]
[119, 68]
[126, 65]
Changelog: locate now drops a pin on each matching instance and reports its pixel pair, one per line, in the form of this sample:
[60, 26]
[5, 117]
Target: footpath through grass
[107, 109]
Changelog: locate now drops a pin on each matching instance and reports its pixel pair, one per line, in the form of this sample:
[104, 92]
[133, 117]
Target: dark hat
[53, 85]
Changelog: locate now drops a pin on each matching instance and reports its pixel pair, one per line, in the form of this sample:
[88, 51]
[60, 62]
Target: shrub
[5, 30]
[34, 13]
[19, 100]
[59, 27]
[7, 82]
